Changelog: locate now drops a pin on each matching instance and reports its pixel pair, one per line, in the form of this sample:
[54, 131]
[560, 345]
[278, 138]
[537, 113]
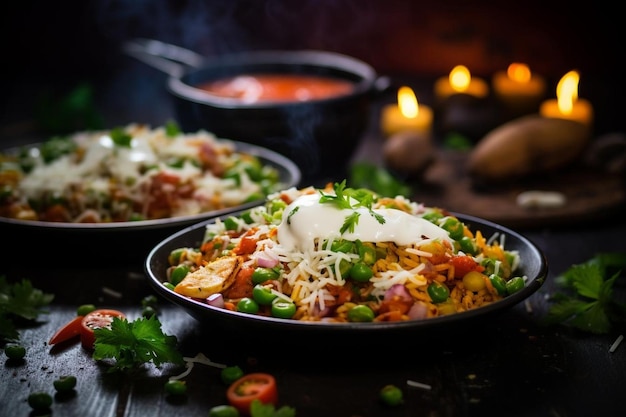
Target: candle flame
[519, 72]
[460, 78]
[567, 92]
[407, 102]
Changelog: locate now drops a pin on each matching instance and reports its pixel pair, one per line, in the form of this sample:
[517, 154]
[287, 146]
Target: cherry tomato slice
[256, 386]
[97, 319]
[67, 332]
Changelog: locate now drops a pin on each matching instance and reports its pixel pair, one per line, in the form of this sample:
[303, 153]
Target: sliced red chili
[69, 331]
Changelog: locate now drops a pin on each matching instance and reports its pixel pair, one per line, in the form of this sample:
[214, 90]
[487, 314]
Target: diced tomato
[67, 332]
[256, 386]
[464, 264]
[97, 319]
[242, 286]
[247, 245]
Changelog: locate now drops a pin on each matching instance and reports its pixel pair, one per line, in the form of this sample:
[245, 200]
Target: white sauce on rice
[306, 220]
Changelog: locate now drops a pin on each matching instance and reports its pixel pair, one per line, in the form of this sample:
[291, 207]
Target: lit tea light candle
[406, 115]
[567, 105]
[518, 88]
[460, 81]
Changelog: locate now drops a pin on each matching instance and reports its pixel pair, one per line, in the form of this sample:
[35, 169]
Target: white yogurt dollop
[306, 219]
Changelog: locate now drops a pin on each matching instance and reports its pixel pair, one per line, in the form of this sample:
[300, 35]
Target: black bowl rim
[203, 311]
[292, 178]
[311, 58]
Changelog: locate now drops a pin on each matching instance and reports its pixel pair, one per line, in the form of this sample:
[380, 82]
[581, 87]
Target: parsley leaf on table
[19, 301]
[589, 303]
[259, 409]
[132, 343]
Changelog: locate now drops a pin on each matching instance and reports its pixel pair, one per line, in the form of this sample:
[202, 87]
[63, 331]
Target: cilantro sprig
[588, 301]
[351, 199]
[19, 301]
[129, 344]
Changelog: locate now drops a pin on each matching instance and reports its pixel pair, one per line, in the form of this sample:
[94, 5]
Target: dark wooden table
[509, 365]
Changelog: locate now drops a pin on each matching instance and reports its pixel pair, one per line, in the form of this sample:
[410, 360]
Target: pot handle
[171, 59]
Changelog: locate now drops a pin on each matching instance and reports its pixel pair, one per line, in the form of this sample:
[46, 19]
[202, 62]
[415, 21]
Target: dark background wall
[57, 44]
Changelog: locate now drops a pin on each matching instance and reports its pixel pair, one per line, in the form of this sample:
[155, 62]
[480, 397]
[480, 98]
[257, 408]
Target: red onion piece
[418, 310]
[398, 291]
[266, 259]
[215, 300]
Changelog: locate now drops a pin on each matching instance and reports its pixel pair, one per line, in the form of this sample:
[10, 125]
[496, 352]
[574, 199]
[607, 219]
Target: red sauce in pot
[278, 87]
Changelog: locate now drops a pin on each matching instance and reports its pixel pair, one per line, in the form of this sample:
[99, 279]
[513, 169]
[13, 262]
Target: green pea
[360, 313]
[223, 411]
[361, 272]
[247, 217]
[468, 245]
[40, 401]
[514, 285]
[453, 226]
[148, 311]
[231, 223]
[15, 351]
[283, 309]
[391, 395]
[433, 216]
[178, 274]
[367, 254]
[85, 309]
[343, 246]
[438, 292]
[261, 275]
[169, 286]
[490, 265]
[263, 295]
[230, 374]
[149, 301]
[175, 256]
[276, 206]
[498, 283]
[344, 268]
[175, 387]
[248, 305]
[65, 383]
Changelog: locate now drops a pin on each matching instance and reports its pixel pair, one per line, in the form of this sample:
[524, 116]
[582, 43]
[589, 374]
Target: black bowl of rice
[401, 273]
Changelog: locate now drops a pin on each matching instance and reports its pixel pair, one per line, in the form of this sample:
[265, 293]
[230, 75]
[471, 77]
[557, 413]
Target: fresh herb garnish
[589, 303]
[19, 301]
[349, 199]
[259, 409]
[294, 211]
[133, 343]
[120, 137]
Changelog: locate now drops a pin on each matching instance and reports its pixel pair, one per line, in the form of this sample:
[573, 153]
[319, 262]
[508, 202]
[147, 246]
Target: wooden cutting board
[590, 194]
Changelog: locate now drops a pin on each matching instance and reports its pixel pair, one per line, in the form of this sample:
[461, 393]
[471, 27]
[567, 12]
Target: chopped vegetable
[255, 386]
[65, 383]
[15, 351]
[133, 343]
[19, 301]
[40, 401]
[69, 331]
[588, 303]
[97, 319]
[176, 387]
[391, 395]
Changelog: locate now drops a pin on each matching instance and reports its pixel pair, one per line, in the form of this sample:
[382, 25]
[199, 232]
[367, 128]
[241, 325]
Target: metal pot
[320, 136]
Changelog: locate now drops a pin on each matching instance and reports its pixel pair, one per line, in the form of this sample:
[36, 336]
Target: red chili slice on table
[250, 387]
[97, 319]
[68, 331]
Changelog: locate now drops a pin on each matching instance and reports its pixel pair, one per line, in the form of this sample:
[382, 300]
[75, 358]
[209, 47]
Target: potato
[527, 145]
[409, 152]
